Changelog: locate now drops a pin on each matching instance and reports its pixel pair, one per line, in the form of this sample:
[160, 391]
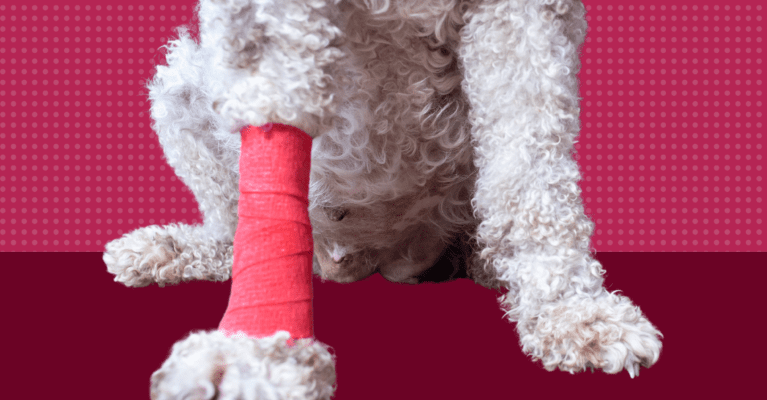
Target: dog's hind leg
[190, 133]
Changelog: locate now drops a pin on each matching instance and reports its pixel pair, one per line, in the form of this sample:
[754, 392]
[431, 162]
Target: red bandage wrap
[272, 270]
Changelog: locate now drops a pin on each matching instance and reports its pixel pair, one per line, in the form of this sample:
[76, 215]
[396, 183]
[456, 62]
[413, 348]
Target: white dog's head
[392, 179]
[374, 208]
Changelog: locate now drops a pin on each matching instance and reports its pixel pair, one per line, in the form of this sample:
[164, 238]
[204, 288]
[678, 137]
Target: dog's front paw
[209, 365]
[138, 258]
[608, 332]
[167, 255]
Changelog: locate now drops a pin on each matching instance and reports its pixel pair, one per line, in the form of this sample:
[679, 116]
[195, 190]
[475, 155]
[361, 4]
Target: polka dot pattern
[79, 162]
[672, 144]
[671, 147]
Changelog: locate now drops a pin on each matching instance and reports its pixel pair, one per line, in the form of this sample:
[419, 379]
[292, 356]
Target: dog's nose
[339, 254]
[345, 258]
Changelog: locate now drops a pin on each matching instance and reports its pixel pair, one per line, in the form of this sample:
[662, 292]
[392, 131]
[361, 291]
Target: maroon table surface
[71, 331]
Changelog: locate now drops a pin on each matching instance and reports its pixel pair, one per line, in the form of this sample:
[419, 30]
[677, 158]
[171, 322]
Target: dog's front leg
[520, 59]
[274, 60]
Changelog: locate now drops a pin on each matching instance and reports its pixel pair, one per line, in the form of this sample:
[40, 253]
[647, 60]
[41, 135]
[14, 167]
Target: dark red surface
[71, 332]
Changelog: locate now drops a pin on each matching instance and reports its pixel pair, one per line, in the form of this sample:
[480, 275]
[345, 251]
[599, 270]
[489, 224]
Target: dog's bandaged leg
[264, 347]
[272, 270]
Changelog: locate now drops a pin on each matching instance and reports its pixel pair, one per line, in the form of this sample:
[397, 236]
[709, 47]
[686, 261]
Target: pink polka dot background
[671, 150]
[672, 145]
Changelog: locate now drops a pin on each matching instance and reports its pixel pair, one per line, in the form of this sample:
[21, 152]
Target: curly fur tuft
[271, 61]
[209, 365]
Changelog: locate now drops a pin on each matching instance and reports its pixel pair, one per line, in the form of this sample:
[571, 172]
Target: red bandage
[272, 270]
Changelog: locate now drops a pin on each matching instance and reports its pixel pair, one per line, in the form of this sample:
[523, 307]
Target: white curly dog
[436, 125]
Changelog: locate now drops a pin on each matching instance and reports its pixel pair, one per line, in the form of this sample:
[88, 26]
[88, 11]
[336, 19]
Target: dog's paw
[209, 365]
[167, 255]
[136, 259]
[608, 332]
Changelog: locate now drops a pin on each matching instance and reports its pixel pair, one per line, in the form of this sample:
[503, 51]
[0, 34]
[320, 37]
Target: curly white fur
[434, 121]
[209, 365]
[260, 43]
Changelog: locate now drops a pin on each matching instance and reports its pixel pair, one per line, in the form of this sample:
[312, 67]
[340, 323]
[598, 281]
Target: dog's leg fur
[273, 58]
[521, 59]
[186, 127]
